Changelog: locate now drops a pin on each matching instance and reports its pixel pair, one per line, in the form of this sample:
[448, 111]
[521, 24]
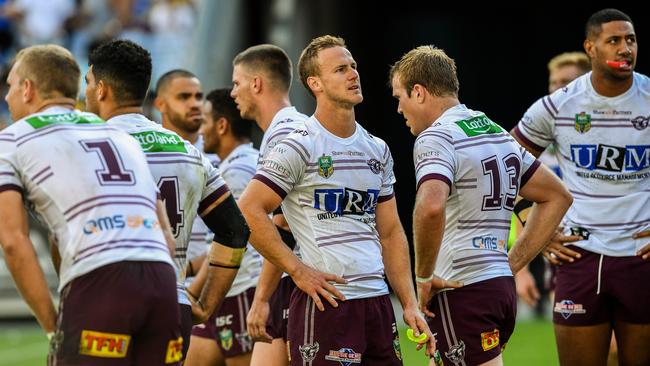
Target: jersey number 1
[113, 171]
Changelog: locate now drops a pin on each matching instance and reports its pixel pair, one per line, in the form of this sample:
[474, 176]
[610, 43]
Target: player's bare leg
[633, 341]
[274, 354]
[583, 346]
[203, 352]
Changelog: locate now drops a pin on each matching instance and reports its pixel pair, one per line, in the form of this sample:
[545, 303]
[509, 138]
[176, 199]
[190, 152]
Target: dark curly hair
[125, 66]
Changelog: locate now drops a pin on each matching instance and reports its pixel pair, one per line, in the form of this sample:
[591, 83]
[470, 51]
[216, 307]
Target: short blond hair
[578, 59]
[307, 64]
[52, 68]
[428, 66]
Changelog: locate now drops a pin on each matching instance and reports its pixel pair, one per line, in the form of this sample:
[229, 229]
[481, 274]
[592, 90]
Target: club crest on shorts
[325, 166]
[456, 353]
[375, 166]
[489, 340]
[567, 308]
[244, 340]
[583, 122]
[397, 348]
[225, 336]
[308, 351]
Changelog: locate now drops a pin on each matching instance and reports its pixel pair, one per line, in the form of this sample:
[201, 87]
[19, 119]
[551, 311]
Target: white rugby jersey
[331, 187]
[484, 168]
[90, 185]
[187, 181]
[286, 120]
[237, 169]
[603, 147]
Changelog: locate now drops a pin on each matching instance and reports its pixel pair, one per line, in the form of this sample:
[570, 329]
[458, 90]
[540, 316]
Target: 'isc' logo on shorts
[174, 350]
[99, 344]
[490, 340]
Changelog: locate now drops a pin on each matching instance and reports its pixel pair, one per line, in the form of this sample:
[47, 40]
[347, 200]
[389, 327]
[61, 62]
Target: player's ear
[29, 90]
[314, 83]
[589, 47]
[419, 92]
[102, 91]
[222, 126]
[159, 103]
[256, 84]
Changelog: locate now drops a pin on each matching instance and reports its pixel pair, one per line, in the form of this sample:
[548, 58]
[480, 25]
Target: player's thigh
[243, 359]
[633, 343]
[583, 345]
[203, 352]
[270, 354]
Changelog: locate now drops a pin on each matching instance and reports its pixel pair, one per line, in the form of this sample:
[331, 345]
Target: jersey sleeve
[285, 164]
[434, 157]
[388, 176]
[529, 164]
[9, 173]
[215, 186]
[535, 128]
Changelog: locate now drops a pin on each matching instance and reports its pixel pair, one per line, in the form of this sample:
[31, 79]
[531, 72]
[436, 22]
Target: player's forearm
[266, 240]
[217, 284]
[268, 282]
[428, 229]
[166, 228]
[397, 265]
[23, 264]
[540, 227]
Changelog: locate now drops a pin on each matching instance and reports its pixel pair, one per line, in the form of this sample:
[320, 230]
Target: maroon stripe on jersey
[342, 235]
[282, 131]
[433, 176]
[492, 142]
[608, 225]
[385, 198]
[482, 137]
[94, 246]
[136, 196]
[577, 193]
[534, 131]
[168, 155]
[429, 161]
[466, 187]
[304, 201]
[56, 128]
[128, 203]
[595, 120]
[471, 227]
[440, 134]
[8, 139]
[342, 161]
[503, 260]
[276, 188]
[301, 150]
[548, 109]
[211, 180]
[124, 246]
[211, 198]
[11, 187]
[550, 102]
[597, 125]
[352, 277]
[526, 140]
[44, 178]
[529, 173]
[486, 255]
[41, 172]
[467, 180]
[358, 167]
[9, 174]
[351, 240]
[175, 161]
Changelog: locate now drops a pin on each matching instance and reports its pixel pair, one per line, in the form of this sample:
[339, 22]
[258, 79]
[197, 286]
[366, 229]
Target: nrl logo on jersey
[583, 122]
[325, 166]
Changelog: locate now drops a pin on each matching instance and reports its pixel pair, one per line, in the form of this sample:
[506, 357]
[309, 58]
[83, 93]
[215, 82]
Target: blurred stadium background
[501, 52]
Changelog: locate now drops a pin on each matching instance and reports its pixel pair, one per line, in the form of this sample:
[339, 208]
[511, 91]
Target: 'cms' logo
[346, 201]
[118, 222]
[612, 158]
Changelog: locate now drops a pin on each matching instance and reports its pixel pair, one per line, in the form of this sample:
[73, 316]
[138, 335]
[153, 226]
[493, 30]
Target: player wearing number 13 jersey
[90, 185]
[117, 82]
[468, 172]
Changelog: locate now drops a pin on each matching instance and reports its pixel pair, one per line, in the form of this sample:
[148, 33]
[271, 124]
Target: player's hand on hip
[645, 251]
[526, 288]
[415, 321]
[199, 313]
[256, 321]
[556, 251]
[316, 284]
[428, 289]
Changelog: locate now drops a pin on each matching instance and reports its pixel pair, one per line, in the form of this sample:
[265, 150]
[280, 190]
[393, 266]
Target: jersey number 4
[494, 167]
[168, 187]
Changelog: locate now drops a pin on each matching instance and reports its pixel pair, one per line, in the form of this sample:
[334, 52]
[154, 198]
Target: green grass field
[531, 345]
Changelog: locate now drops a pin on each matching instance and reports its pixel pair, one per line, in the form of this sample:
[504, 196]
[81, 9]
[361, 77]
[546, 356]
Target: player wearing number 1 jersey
[117, 83]
[90, 185]
[468, 172]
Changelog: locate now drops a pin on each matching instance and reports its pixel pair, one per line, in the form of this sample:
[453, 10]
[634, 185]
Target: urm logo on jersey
[630, 158]
[346, 201]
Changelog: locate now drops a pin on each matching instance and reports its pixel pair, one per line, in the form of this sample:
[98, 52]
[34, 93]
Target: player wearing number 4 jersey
[90, 185]
[468, 171]
[117, 82]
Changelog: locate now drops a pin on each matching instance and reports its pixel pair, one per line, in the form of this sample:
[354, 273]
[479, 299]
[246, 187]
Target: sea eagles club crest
[583, 122]
[325, 166]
